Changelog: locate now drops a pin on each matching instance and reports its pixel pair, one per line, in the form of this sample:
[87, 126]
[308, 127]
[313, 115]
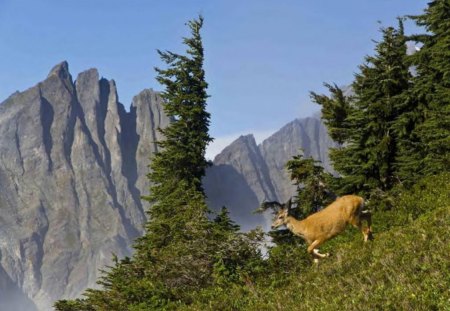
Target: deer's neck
[296, 226]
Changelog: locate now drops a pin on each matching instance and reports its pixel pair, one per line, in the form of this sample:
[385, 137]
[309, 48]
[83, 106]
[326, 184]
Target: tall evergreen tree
[175, 257]
[430, 152]
[183, 149]
[364, 123]
[182, 251]
[176, 245]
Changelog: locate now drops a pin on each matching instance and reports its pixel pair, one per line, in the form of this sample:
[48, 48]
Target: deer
[327, 223]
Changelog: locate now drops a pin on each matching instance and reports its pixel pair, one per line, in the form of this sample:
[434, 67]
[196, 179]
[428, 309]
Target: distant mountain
[244, 174]
[239, 180]
[73, 165]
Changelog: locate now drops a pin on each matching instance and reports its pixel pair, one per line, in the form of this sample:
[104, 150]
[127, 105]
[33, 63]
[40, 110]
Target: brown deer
[326, 223]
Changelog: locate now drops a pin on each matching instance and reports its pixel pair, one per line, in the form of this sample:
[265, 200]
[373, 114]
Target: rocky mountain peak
[60, 70]
[244, 143]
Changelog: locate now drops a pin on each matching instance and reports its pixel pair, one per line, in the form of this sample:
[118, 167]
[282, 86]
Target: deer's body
[327, 223]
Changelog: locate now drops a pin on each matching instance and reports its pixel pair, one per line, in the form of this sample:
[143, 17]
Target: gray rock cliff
[239, 180]
[308, 134]
[72, 166]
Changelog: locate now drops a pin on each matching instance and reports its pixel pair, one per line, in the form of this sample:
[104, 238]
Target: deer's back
[334, 218]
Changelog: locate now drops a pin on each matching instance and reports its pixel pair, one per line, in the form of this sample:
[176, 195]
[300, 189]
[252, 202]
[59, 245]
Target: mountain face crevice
[19, 152]
[128, 147]
[47, 117]
[102, 110]
[243, 155]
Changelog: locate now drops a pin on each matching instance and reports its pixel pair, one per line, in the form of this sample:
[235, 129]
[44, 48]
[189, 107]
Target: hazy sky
[262, 56]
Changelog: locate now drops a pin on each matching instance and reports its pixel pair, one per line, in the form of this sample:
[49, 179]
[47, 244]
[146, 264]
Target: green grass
[406, 267]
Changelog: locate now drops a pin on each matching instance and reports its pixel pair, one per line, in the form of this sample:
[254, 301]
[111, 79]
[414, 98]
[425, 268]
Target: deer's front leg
[316, 253]
[312, 249]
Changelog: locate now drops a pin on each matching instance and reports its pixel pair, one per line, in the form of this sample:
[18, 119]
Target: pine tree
[177, 243]
[175, 257]
[224, 222]
[237, 256]
[313, 185]
[364, 123]
[185, 97]
[430, 152]
[182, 251]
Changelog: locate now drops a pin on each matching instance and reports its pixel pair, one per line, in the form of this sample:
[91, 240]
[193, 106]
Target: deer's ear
[289, 204]
[289, 207]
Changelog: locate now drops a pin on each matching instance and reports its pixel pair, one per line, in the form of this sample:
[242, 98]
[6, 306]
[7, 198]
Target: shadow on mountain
[224, 186]
[11, 297]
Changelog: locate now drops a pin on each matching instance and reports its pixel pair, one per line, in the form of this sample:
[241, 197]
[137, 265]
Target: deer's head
[280, 218]
[282, 214]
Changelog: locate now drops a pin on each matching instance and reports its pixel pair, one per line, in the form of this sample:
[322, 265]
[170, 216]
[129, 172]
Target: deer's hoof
[368, 237]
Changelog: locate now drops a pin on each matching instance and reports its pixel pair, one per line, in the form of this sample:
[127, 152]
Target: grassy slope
[404, 269]
[407, 267]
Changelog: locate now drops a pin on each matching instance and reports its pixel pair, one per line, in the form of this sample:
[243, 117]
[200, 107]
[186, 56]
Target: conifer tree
[237, 255]
[182, 251]
[429, 152]
[176, 243]
[224, 222]
[364, 123]
[313, 185]
[175, 257]
[183, 148]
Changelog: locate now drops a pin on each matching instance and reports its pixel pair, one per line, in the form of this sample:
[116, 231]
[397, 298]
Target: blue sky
[262, 56]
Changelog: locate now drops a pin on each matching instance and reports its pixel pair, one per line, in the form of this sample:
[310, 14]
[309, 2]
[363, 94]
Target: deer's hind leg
[357, 223]
[367, 216]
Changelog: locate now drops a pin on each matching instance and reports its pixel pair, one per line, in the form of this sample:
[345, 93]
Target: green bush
[428, 194]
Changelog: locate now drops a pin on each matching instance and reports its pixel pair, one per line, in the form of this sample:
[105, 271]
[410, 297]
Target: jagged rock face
[239, 180]
[72, 166]
[308, 134]
[244, 174]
